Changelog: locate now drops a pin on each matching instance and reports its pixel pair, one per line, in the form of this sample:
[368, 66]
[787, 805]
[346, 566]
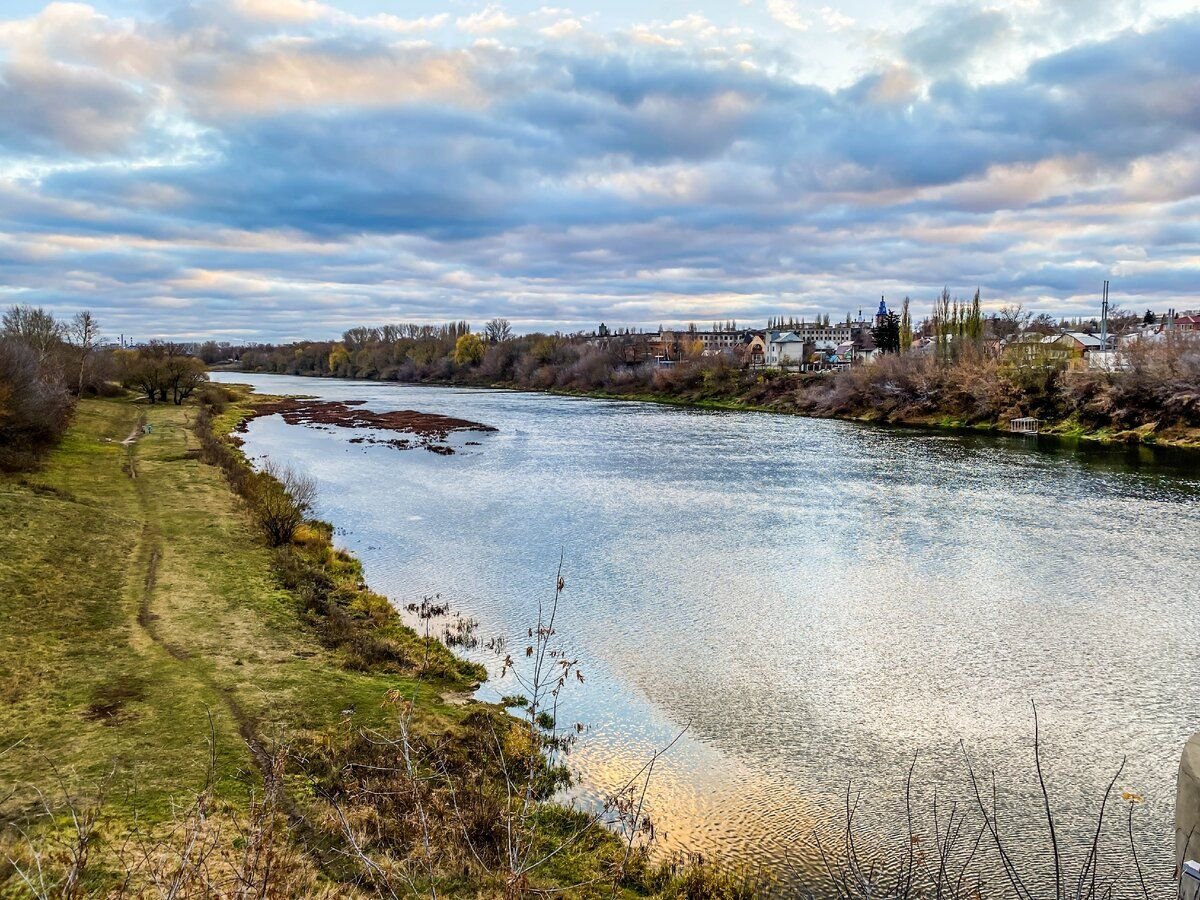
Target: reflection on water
[819, 600]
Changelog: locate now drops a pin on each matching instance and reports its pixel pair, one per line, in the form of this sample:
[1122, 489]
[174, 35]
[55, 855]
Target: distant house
[754, 351]
[786, 348]
[1188, 321]
[1087, 351]
[842, 356]
[1035, 349]
[1169, 327]
[1147, 333]
[1079, 342]
[860, 349]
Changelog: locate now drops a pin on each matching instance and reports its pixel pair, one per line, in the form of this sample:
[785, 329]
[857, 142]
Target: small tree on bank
[281, 498]
[35, 328]
[162, 371]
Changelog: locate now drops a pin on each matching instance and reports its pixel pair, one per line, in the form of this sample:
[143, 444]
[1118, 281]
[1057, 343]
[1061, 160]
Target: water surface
[816, 601]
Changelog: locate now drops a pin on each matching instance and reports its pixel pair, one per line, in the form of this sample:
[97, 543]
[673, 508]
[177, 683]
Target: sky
[271, 170]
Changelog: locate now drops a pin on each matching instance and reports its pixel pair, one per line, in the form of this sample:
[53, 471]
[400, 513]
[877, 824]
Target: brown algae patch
[429, 430]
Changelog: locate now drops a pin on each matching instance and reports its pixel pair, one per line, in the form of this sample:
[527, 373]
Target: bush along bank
[328, 583]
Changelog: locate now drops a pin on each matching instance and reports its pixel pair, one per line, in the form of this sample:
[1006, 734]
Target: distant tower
[602, 331]
[882, 313]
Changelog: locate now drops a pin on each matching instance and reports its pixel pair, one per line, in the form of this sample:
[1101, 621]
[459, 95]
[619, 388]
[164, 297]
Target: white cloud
[787, 14]
[285, 11]
[641, 34]
[835, 19]
[389, 22]
[490, 19]
[562, 28]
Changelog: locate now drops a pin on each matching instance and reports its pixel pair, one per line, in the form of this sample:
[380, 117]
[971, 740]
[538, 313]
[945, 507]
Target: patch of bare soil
[109, 701]
[430, 430]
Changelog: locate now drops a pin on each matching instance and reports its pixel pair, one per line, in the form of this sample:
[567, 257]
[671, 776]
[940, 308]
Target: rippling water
[818, 601]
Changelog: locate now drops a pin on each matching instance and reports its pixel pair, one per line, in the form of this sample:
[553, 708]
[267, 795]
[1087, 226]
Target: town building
[786, 348]
[804, 345]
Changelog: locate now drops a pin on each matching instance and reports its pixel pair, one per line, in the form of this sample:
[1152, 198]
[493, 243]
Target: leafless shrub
[210, 847]
[162, 371]
[57, 869]
[1158, 383]
[281, 497]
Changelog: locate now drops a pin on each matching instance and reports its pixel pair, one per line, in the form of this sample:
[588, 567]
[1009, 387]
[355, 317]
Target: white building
[786, 348]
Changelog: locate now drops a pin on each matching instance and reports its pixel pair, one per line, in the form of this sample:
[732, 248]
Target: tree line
[47, 364]
[961, 372]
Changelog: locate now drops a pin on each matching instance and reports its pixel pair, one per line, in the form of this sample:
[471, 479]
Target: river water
[816, 601]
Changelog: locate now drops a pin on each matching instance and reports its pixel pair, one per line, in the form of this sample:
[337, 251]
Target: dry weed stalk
[946, 861]
[443, 818]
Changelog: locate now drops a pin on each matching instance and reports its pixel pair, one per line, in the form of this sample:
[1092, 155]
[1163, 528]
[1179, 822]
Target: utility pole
[1104, 318]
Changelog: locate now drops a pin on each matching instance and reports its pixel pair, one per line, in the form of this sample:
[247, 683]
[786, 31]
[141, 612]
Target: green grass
[135, 608]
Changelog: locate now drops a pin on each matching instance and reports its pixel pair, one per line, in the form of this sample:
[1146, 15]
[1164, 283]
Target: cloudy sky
[275, 169]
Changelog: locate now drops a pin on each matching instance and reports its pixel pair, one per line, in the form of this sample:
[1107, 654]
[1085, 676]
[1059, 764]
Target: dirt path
[130, 443]
[137, 430]
[331, 860]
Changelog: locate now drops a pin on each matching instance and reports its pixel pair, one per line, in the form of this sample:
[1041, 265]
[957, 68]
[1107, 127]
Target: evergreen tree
[887, 334]
[1149, 318]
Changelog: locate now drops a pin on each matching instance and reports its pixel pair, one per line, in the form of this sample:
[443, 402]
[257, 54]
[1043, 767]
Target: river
[816, 601]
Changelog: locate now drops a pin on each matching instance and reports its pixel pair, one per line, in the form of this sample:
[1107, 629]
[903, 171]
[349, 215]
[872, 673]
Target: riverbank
[182, 701]
[1178, 438]
[780, 402]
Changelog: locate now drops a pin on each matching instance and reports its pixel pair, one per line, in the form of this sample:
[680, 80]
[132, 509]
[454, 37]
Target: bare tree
[497, 330]
[162, 371]
[35, 404]
[963, 852]
[83, 332]
[183, 374]
[1121, 320]
[35, 327]
[1010, 321]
